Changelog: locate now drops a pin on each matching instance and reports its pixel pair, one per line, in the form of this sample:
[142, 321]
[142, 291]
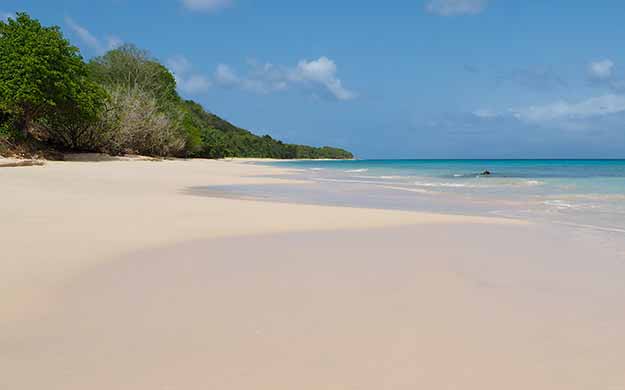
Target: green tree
[41, 73]
[132, 68]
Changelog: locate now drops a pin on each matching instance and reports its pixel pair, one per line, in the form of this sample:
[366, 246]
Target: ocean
[588, 194]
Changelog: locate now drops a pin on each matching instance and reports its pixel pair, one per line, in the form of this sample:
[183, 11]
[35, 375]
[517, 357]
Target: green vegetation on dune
[122, 102]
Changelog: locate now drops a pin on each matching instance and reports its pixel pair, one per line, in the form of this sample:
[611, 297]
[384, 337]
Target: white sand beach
[114, 276]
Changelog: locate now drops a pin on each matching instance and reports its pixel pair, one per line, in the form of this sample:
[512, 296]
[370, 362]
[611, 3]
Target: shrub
[77, 126]
[133, 123]
[130, 67]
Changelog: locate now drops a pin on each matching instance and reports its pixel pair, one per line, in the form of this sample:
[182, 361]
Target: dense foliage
[42, 76]
[122, 102]
[221, 139]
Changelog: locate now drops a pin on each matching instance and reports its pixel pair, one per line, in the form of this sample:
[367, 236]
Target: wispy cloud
[602, 73]
[485, 113]
[83, 34]
[113, 42]
[502, 135]
[90, 40]
[601, 70]
[562, 110]
[455, 7]
[539, 78]
[225, 75]
[618, 86]
[262, 79]
[471, 68]
[4, 16]
[316, 75]
[206, 5]
[187, 80]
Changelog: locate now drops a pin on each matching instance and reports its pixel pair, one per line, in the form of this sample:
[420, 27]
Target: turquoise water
[601, 175]
[586, 193]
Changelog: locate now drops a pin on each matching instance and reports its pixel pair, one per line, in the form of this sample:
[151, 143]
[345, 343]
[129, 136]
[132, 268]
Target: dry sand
[114, 277]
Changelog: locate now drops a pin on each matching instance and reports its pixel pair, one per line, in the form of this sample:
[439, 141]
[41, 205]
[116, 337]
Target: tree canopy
[221, 138]
[131, 67]
[41, 73]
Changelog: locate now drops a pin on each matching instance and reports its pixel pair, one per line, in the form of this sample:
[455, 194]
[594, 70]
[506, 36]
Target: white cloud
[187, 80]
[455, 7]
[323, 72]
[562, 110]
[261, 79]
[179, 64]
[485, 113]
[112, 42]
[601, 70]
[267, 78]
[193, 84]
[84, 35]
[4, 16]
[224, 75]
[206, 5]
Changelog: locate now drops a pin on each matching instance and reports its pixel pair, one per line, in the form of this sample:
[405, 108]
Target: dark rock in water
[485, 173]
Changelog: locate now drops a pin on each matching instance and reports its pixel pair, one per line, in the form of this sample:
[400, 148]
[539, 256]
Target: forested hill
[221, 138]
[122, 102]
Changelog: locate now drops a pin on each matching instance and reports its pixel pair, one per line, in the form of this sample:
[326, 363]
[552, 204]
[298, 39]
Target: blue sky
[415, 79]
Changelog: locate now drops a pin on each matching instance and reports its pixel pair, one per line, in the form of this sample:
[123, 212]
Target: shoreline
[100, 256]
[100, 157]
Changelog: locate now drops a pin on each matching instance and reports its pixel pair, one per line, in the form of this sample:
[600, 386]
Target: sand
[116, 277]
[9, 162]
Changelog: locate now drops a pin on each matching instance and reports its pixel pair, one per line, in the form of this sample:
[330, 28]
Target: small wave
[611, 229]
[562, 205]
[374, 183]
[448, 185]
[559, 204]
[357, 170]
[417, 190]
[351, 181]
[596, 197]
[378, 177]
[316, 169]
[534, 183]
